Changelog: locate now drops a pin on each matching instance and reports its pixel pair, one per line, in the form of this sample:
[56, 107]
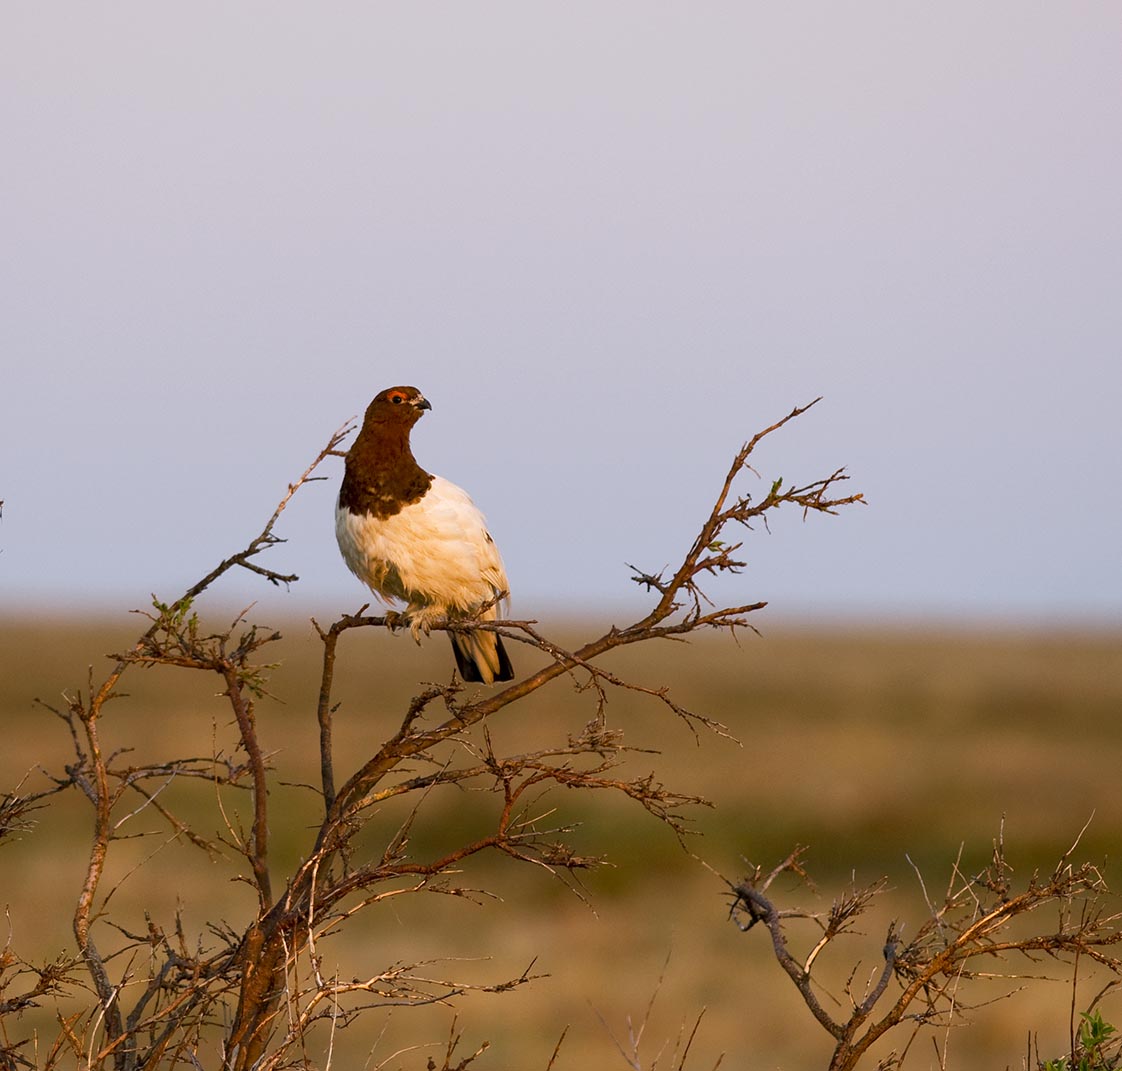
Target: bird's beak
[421, 402]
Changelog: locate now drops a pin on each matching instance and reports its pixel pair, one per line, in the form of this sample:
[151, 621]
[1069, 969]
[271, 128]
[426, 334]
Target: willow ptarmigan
[418, 538]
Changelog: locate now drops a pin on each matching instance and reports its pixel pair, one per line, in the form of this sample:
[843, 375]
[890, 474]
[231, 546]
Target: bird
[416, 538]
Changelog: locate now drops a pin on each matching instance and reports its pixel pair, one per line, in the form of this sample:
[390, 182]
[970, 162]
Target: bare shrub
[983, 928]
[257, 988]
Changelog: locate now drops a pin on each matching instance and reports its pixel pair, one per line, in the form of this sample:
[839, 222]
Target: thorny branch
[973, 922]
[162, 1018]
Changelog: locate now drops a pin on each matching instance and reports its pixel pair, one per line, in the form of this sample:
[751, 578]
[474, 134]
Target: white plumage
[435, 555]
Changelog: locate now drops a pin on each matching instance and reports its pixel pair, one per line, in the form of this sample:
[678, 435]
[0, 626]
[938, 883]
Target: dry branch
[260, 984]
[972, 923]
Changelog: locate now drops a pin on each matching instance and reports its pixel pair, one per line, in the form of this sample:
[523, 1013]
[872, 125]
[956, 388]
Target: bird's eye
[397, 399]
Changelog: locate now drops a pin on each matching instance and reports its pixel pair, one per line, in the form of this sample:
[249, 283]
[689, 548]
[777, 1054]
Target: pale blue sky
[609, 241]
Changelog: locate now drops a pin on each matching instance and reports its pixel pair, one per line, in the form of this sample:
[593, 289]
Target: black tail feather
[468, 658]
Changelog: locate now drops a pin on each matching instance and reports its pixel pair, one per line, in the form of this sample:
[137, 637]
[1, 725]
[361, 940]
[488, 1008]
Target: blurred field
[868, 745]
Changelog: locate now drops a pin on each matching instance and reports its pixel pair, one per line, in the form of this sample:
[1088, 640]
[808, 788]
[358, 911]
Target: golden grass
[866, 744]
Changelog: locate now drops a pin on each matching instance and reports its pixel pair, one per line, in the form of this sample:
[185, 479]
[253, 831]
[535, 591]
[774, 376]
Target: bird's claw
[422, 621]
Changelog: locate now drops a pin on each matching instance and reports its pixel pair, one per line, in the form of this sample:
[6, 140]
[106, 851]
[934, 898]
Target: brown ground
[865, 744]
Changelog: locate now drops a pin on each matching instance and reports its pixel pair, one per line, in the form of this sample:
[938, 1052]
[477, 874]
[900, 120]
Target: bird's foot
[393, 620]
[422, 621]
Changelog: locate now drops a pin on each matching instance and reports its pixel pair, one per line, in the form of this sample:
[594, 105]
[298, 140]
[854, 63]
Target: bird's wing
[459, 529]
[435, 552]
